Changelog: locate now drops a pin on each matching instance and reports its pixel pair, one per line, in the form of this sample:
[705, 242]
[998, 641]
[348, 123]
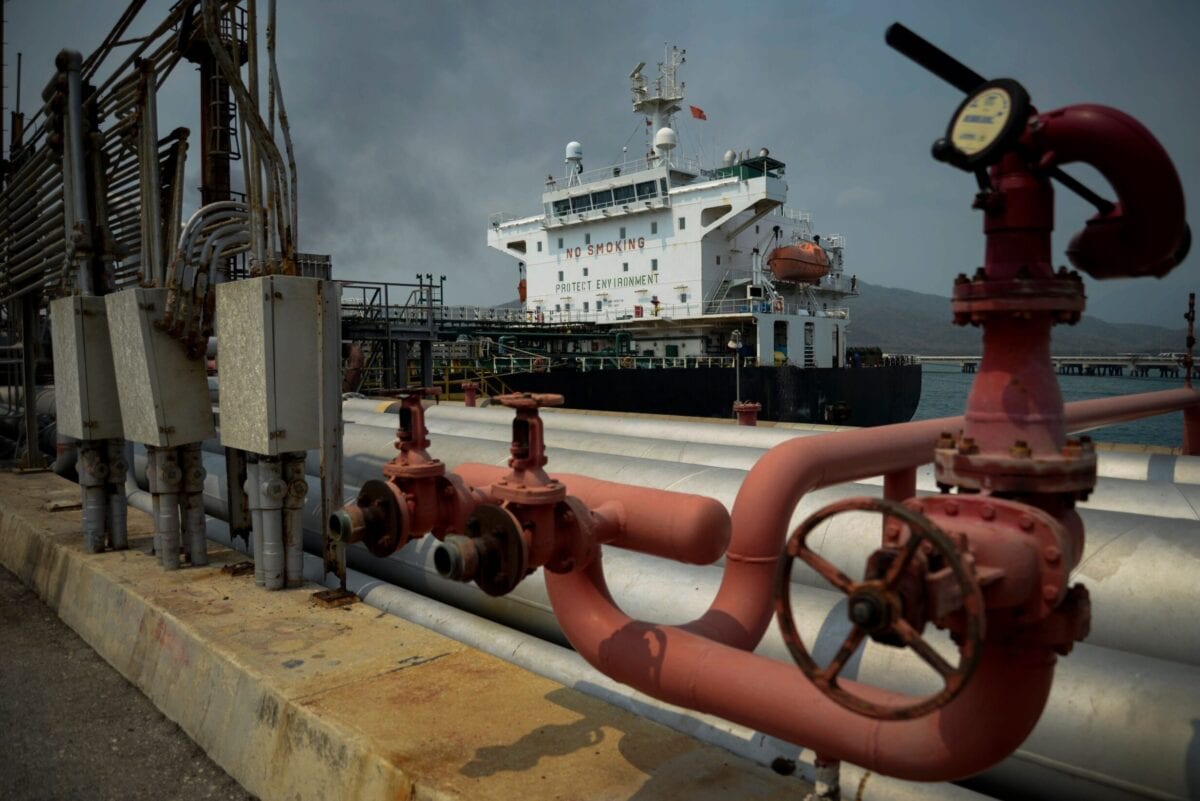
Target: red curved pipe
[986, 722]
[1144, 232]
[687, 528]
[742, 609]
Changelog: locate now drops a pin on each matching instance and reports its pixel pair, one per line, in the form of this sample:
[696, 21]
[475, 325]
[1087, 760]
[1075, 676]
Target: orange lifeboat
[802, 262]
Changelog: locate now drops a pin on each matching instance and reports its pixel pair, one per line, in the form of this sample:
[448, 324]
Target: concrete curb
[298, 702]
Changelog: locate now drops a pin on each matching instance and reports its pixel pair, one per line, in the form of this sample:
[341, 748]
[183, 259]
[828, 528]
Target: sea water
[944, 389]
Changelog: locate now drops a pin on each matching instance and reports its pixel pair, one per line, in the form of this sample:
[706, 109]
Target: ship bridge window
[602, 200]
[663, 183]
[562, 207]
[581, 203]
[646, 190]
[539, 246]
[622, 194]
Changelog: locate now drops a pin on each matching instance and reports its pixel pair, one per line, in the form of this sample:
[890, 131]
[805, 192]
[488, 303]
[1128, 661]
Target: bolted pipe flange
[493, 554]
[1017, 471]
[1061, 297]
[378, 518]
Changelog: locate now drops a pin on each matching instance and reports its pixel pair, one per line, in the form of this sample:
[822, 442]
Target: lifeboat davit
[802, 262]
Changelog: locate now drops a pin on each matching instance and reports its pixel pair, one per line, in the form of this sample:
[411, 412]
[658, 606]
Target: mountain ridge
[905, 321]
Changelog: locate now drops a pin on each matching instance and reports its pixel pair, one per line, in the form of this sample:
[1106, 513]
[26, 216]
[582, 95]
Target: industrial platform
[300, 702]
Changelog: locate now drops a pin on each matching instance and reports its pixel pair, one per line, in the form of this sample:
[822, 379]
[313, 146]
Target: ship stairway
[713, 304]
[809, 359]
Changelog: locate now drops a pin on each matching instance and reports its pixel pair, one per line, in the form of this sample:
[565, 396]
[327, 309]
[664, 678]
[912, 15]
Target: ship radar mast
[666, 100]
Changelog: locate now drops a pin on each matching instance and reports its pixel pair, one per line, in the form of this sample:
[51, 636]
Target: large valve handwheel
[876, 608]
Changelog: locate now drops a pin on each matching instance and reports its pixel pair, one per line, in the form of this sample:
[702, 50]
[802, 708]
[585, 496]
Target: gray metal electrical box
[85, 386]
[268, 362]
[164, 394]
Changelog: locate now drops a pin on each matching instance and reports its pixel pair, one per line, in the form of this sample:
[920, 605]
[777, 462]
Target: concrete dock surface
[296, 701]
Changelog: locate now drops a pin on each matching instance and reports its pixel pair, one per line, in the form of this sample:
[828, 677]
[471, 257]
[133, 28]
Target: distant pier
[1132, 364]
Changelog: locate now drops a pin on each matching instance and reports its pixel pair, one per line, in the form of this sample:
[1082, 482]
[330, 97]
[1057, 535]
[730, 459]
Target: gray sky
[414, 121]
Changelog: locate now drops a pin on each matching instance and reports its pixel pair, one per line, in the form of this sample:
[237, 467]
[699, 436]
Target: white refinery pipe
[566, 667]
[1115, 489]
[1117, 725]
[1112, 463]
[1137, 568]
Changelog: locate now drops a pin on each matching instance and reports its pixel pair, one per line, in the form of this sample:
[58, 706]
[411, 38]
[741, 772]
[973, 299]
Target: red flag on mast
[698, 113]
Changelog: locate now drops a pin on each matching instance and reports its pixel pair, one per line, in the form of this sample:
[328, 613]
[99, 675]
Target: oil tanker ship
[693, 287]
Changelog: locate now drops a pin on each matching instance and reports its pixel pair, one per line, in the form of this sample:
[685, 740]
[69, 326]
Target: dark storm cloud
[414, 121]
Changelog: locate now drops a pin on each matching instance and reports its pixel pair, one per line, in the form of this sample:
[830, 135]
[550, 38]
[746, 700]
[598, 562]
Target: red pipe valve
[889, 605]
[528, 483]
[417, 497]
[535, 523]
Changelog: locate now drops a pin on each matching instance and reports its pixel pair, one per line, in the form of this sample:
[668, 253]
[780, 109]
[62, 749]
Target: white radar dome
[665, 139]
[730, 158]
[574, 151]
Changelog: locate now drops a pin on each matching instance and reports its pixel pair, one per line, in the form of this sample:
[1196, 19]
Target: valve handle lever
[932, 58]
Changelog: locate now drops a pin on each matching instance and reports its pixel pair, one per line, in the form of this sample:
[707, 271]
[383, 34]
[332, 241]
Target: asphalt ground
[74, 728]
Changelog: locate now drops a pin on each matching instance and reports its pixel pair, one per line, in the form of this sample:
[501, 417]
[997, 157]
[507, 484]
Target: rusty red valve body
[533, 523]
[418, 496]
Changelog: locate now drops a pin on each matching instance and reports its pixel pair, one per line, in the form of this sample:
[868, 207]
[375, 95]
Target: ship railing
[799, 215]
[498, 218]
[646, 311]
[505, 365]
[592, 363]
[483, 314]
[623, 168]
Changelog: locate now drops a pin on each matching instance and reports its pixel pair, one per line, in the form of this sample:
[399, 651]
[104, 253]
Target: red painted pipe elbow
[988, 720]
[1145, 232]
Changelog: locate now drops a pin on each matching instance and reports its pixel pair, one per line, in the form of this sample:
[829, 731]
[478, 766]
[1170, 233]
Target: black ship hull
[865, 396]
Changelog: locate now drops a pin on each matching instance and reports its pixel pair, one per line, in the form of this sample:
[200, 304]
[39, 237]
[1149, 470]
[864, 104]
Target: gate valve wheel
[874, 608]
[530, 400]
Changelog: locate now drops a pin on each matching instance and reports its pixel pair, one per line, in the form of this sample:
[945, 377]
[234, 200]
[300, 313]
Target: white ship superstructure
[677, 253]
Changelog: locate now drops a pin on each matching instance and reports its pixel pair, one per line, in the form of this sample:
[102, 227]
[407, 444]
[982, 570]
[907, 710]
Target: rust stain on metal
[238, 569]
[331, 599]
